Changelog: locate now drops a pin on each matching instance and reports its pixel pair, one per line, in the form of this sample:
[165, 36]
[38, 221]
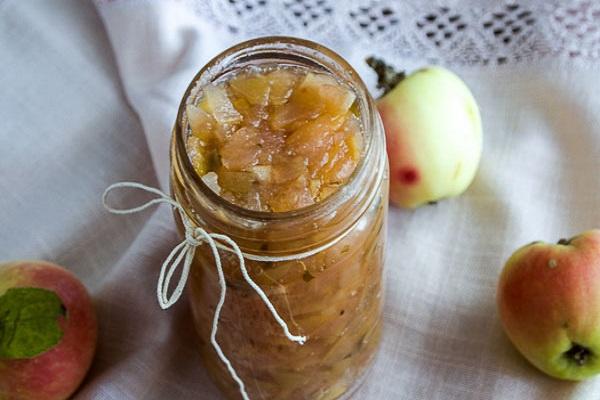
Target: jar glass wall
[333, 297]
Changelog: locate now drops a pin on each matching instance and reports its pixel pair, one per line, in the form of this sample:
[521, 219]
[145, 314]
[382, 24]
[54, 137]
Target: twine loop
[182, 256]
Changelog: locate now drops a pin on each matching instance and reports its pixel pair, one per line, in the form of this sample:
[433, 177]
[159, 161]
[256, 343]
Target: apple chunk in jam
[277, 139]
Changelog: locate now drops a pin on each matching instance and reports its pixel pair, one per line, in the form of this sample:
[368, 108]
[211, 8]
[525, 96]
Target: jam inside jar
[279, 146]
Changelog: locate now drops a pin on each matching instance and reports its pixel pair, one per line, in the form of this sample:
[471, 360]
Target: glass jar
[333, 297]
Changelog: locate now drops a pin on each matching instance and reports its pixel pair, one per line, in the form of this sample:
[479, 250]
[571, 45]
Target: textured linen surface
[88, 97]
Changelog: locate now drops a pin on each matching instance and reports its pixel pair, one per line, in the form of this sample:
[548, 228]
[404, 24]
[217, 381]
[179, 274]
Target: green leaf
[29, 322]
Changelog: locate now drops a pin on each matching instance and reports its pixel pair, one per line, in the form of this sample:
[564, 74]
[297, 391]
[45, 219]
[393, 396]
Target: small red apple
[549, 303]
[48, 331]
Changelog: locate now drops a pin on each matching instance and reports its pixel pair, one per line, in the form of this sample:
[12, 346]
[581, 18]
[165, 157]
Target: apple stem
[387, 76]
[564, 242]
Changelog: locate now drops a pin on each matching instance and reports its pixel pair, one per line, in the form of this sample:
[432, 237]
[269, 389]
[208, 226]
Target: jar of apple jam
[278, 145]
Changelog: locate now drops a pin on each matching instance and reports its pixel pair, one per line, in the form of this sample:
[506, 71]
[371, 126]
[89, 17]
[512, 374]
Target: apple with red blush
[548, 299]
[433, 133]
[48, 331]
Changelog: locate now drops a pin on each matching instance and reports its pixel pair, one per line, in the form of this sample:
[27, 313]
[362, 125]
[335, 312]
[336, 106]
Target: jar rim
[312, 50]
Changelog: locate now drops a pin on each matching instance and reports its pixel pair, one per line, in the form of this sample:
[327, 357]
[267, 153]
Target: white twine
[184, 251]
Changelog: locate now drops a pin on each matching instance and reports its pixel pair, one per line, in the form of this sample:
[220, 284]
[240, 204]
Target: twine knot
[183, 255]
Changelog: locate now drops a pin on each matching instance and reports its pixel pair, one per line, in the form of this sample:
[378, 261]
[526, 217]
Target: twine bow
[185, 251]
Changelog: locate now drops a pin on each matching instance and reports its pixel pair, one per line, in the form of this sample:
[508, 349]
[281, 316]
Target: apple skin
[549, 303]
[434, 137]
[56, 373]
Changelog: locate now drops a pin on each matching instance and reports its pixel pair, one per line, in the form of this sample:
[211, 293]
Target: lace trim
[452, 32]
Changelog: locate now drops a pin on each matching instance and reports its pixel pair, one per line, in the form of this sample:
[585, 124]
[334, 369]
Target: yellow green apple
[48, 331]
[433, 133]
[549, 303]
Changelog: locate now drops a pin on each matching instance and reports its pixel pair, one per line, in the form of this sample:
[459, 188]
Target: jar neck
[282, 232]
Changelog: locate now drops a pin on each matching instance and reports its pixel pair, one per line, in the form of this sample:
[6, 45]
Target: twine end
[300, 340]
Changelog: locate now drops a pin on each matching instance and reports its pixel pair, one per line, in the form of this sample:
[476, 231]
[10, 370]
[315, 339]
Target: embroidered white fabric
[462, 32]
[450, 32]
[89, 98]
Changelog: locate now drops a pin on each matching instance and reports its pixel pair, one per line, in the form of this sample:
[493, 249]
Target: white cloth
[68, 132]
